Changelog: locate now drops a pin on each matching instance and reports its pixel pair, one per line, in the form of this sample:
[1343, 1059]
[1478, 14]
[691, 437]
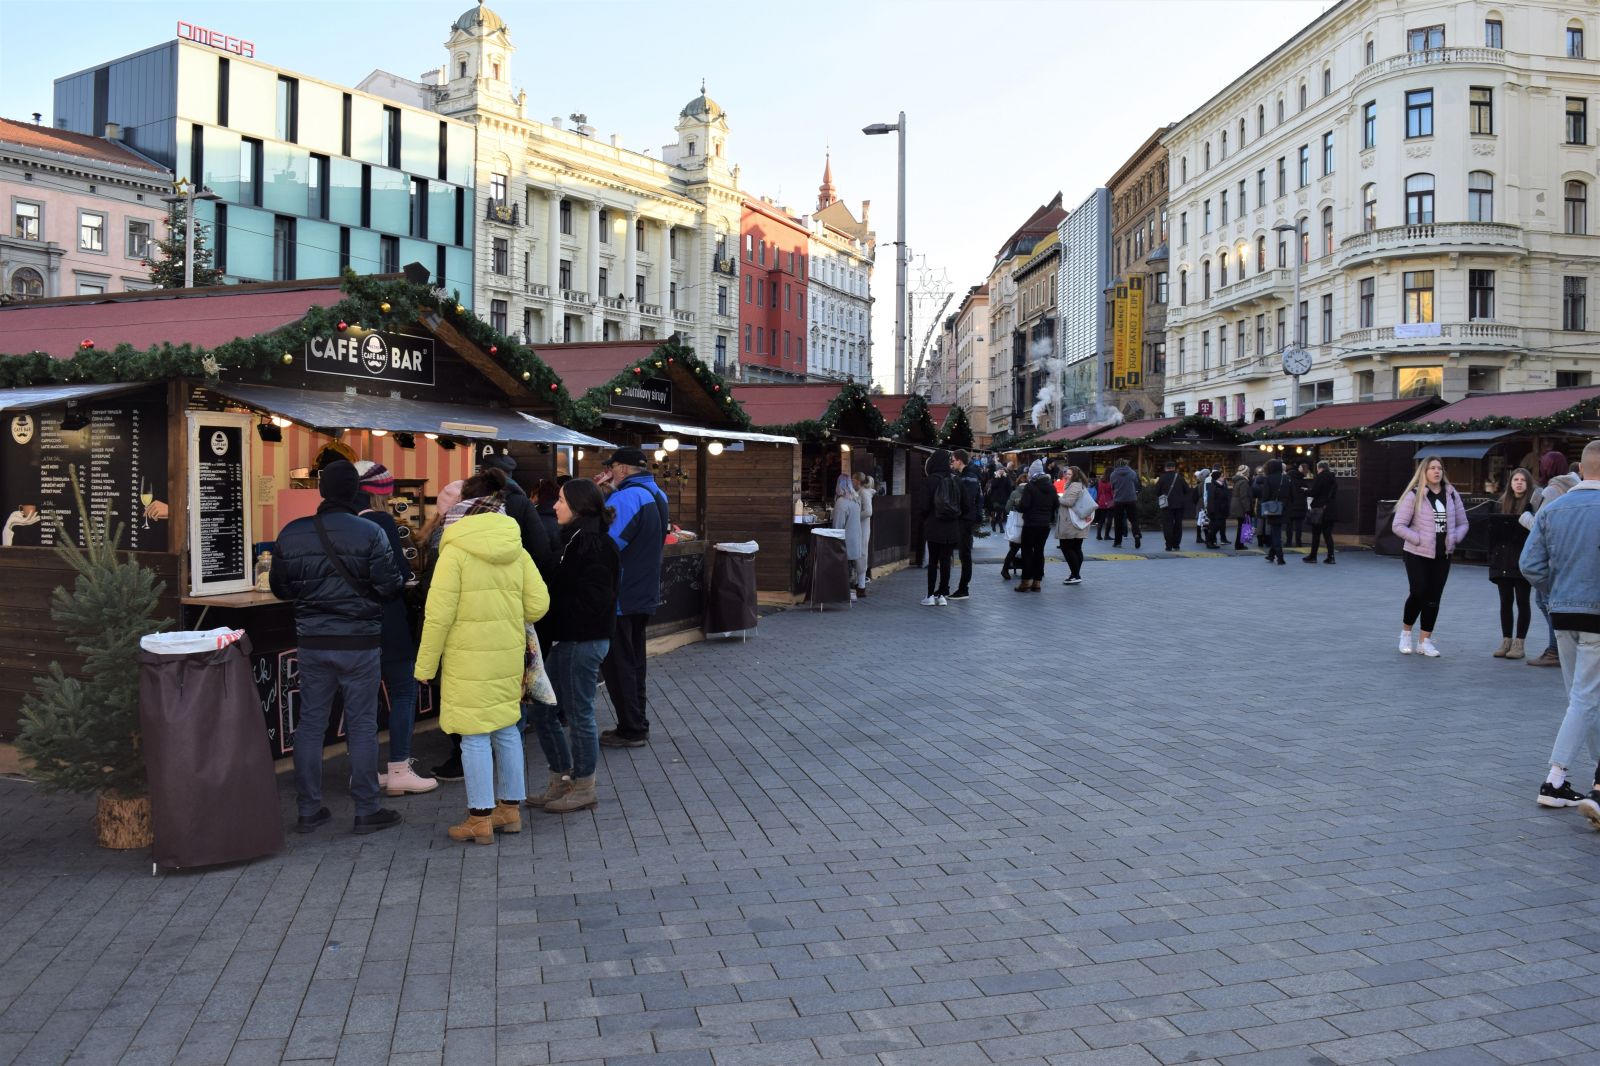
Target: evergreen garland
[957, 429]
[915, 424]
[587, 410]
[1187, 422]
[854, 403]
[1583, 411]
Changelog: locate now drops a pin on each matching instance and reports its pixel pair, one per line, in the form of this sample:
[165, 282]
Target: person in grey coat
[847, 516]
[1125, 502]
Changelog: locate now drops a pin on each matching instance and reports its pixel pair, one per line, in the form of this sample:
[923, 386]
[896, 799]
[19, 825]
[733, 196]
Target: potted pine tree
[80, 732]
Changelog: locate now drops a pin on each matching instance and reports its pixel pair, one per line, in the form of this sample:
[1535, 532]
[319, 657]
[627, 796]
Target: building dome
[480, 19]
[702, 105]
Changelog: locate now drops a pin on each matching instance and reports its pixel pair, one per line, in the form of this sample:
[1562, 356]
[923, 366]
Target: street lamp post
[186, 193]
[899, 252]
[1296, 357]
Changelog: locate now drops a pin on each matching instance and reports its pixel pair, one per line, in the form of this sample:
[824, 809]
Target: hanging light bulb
[715, 447]
[660, 454]
[281, 423]
[431, 436]
[380, 432]
[580, 453]
[844, 448]
[670, 444]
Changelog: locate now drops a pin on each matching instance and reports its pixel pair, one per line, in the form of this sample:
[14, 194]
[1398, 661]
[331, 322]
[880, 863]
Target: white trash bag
[189, 641]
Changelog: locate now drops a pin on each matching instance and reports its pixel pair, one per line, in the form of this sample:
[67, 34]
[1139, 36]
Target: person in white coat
[847, 516]
[866, 489]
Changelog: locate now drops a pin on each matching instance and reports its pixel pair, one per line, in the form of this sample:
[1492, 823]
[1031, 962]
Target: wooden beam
[481, 361]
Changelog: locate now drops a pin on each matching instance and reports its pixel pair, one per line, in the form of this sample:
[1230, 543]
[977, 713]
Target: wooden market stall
[195, 418]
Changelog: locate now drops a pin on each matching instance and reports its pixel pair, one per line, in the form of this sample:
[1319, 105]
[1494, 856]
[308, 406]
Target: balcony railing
[683, 316]
[1251, 290]
[501, 211]
[1431, 238]
[653, 310]
[536, 289]
[575, 296]
[1475, 335]
[1428, 58]
[614, 303]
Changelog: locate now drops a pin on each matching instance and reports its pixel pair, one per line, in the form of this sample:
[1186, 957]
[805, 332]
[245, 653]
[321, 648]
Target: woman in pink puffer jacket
[1432, 520]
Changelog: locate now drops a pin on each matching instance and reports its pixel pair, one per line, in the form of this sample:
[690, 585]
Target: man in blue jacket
[338, 570]
[640, 532]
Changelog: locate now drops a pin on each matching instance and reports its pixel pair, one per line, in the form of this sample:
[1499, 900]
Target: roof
[204, 318]
[783, 405]
[98, 149]
[582, 367]
[1540, 404]
[1044, 220]
[1071, 432]
[1136, 430]
[702, 105]
[893, 404]
[474, 17]
[1352, 415]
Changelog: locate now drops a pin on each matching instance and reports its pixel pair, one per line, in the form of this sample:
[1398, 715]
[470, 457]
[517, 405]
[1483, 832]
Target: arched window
[26, 284]
[1222, 270]
[1480, 196]
[1369, 207]
[1208, 155]
[1302, 96]
[1205, 282]
[1280, 110]
[1183, 288]
[1241, 133]
[1577, 207]
[691, 146]
[1302, 227]
[1371, 52]
[1327, 80]
[1261, 119]
[1224, 144]
[1327, 231]
[1261, 253]
[1183, 169]
[462, 68]
[496, 68]
[1419, 200]
[1574, 39]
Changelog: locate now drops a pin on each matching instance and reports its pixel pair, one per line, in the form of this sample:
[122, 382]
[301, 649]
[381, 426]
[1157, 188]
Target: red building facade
[772, 294]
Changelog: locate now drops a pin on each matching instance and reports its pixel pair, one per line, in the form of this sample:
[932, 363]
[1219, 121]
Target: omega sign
[373, 357]
[216, 39]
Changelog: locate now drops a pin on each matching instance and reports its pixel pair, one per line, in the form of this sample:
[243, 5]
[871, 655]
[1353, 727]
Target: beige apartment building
[1139, 249]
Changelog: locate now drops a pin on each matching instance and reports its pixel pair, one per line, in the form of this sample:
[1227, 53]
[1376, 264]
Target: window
[1208, 155]
[604, 281]
[1261, 253]
[1205, 217]
[1480, 196]
[564, 274]
[1241, 133]
[91, 285]
[1222, 345]
[1183, 169]
[1183, 288]
[461, 219]
[1493, 33]
[366, 195]
[1425, 39]
[747, 338]
[1570, 379]
[761, 294]
[638, 291]
[1224, 207]
[1283, 180]
[1205, 350]
[1573, 297]
[1371, 52]
[1158, 357]
[1327, 231]
[1327, 319]
[1481, 104]
[1419, 199]
[1369, 124]
[347, 107]
[721, 361]
[1302, 229]
[1327, 153]
[318, 188]
[25, 221]
[219, 227]
[249, 172]
[605, 226]
[1238, 336]
[1222, 270]
[1366, 301]
[1283, 334]
[1574, 42]
[1417, 382]
[1183, 227]
[1205, 279]
[26, 284]
[722, 299]
[1577, 207]
[497, 188]
[288, 110]
[390, 141]
[1261, 187]
[419, 208]
[1305, 165]
[1302, 96]
[1419, 113]
[1417, 287]
[672, 295]
[1261, 334]
[1242, 207]
[1261, 120]
[1182, 347]
[443, 169]
[1316, 393]
[497, 315]
[1280, 110]
[1577, 120]
[1283, 251]
[1369, 207]
[91, 232]
[564, 212]
[138, 246]
[388, 255]
[1303, 332]
[502, 253]
[1480, 294]
[1224, 142]
[1161, 287]
[222, 92]
[672, 242]
[1483, 379]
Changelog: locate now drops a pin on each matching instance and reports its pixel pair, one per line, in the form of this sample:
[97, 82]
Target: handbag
[535, 678]
[1247, 530]
[1014, 526]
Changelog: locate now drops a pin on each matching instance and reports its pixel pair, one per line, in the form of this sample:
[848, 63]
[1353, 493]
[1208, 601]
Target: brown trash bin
[213, 792]
[731, 604]
[830, 569]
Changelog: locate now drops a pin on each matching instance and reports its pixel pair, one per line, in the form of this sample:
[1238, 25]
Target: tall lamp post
[1296, 356]
[187, 192]
[899, 252]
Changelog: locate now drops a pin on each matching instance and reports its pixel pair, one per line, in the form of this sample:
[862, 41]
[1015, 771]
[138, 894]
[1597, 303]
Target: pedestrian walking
[1555, 480]
[1431, 519]
[941, 525]
[971, 515]
[1241, 506]
[338, 570]
[1560, 560]
[486, 590]
[1073, 519]
[847, 516]
[1013, 559]
[866, 492]
[1172, 498]
[1508, 532]
[1103, 505]
[1038, 507]
[1294, 514]
[1216, 502]
[1201, 518]
[1322, 510]
[575, 635]
[1272, 491]
[999, 492]
[639, 531]
[1125, 503]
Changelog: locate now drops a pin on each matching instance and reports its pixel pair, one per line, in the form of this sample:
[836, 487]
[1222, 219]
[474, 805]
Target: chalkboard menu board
[117, 449]
[219, 512]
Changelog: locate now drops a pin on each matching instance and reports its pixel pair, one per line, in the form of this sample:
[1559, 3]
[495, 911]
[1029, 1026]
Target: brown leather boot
[580, 797]
[557, 787]
[477, 827]
[506, 817]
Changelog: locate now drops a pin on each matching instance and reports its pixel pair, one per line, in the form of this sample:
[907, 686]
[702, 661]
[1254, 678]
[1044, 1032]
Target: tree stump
[123, 823]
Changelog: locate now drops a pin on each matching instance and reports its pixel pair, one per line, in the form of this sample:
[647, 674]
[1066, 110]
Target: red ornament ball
[638, 370]
[342, 326]
[494, 349]
[86, 344]
[716, 388]
[554, 386]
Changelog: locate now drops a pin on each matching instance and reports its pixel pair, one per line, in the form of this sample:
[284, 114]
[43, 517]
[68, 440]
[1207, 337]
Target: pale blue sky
[1007, 101]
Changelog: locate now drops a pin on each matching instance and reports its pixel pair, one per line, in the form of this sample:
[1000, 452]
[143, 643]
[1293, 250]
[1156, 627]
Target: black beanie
[339, 481]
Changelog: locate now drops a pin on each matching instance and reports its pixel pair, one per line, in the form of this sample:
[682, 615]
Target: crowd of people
[514, 606]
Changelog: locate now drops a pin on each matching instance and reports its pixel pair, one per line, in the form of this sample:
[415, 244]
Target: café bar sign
[372, 356]
[645, 394]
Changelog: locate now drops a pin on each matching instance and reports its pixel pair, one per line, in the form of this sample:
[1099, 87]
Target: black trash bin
[731, 604]
[830, 568]
[213, 793]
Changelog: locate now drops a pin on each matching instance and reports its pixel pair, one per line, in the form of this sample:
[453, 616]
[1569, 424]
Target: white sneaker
[930, 601]
[1426, 647]
[1405, 642]
[944, 602]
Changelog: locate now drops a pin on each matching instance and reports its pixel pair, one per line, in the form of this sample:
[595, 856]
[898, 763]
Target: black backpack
[947, 499]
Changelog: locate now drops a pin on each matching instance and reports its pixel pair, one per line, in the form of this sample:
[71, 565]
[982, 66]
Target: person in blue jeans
[576, 635]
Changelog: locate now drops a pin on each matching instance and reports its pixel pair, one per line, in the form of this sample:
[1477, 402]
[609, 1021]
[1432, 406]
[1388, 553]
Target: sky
[1007, 101]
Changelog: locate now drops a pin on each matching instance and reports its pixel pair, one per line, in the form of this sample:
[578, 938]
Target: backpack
[947, 500]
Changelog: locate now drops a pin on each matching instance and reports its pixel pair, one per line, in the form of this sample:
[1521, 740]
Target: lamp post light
[186, 192]
[1296, 357]
[873, 130]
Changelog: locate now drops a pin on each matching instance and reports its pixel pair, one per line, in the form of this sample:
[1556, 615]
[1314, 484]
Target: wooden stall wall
[29, 638]
[1384, 470]
[750, 496]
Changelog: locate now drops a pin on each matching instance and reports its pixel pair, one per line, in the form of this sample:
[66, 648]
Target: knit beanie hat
[338, 481]
[448, 497]
[375, 477]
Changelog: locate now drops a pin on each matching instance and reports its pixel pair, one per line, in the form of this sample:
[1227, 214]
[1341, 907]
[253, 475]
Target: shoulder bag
[338, 563]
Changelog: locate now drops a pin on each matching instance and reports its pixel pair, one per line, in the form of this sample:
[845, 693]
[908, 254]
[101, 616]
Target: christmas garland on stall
[590, 408]
[1579, 412]
[1187, 422]
[915, 424]
[853, 400]
[957, 429]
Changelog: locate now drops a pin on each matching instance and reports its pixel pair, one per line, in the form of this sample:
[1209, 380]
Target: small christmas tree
[81, 733]
[166, 266]
[957, 430]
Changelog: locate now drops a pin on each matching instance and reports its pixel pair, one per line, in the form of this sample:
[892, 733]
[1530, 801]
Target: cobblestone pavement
[1193, 810]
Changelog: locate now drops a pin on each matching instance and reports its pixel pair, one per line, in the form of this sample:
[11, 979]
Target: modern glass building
[313, 177]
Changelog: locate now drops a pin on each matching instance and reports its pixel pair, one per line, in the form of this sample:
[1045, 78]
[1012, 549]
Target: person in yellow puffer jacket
[485, 590]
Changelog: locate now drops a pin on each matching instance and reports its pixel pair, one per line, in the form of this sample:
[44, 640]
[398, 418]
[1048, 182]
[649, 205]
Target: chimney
[113, 132]
[616, 140]
[37, 117]
[555, 120]
[866, 213]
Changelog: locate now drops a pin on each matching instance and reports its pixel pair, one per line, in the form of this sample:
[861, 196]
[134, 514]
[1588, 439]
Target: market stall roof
[893, 404]
[1096, 447]
[338, 410]
[1542, 403]
[1071, 433]
[582, 367]
[784, 405]
[676, 429]
[204, 318]
[1136, 430]
[1304, 441]
[1469, 444]
[1353, 416]
[29, 397]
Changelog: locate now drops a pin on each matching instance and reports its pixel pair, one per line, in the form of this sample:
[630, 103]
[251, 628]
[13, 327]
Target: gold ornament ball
[287, 359]
[384, 307]
[459, 309]
[526, 376]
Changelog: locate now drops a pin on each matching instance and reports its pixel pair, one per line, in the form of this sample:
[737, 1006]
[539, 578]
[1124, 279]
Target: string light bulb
[671, 444]
[715, 447]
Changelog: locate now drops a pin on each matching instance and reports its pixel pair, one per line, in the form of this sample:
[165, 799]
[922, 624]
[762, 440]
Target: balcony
[1433, 238]
[686, 317]
[501, 211]
[1431, 57]
[614, 303]
[1259, 289]
[650, 310]
[535, 289]
[575, 296]
[1430, 336]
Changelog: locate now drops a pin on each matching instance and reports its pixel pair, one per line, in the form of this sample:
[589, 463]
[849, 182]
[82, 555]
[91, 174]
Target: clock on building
[1296, 361]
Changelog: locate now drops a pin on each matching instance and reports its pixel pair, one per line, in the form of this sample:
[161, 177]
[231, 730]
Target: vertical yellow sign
[1119, 338]
[1133, 374]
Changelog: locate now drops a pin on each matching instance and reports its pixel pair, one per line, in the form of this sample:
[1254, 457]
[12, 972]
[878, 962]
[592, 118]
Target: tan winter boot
[1516, 651]
[1505, 646]
[507, 817]
[579, 797]
[559, 783]
[477, 827]
[402, 779]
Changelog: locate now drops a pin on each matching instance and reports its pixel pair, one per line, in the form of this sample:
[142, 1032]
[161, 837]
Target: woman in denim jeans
[576, 635]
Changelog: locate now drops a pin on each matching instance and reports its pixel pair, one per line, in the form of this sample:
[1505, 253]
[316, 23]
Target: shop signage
[219, 507]
[645, 394]
[1205, 407]
[216, 39]
[373, 356]
[1415, 330]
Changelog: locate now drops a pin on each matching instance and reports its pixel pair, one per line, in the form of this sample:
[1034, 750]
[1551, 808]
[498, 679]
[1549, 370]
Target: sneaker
[309, 822]
[1589, 807]
[378, 820]
[960, 594]
[610, 738]
[1328, 561]
[1426, 647]
[930, 601]
[944, 601]
[1546, 658]
[1073, 581]
[1565, 796]
[450, 769]
[1405, 642]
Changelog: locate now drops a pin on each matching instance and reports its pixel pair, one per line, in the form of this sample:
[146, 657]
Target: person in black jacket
[1218, 500]
[535, 538]
[544, 502]
[1038, 507]
[338, 570]
[999, 492]
[1272, 500]
[575, 637]
[1171, 487]
[1323, 510]
[941, 525]
[971, 515]
[1294, 515]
